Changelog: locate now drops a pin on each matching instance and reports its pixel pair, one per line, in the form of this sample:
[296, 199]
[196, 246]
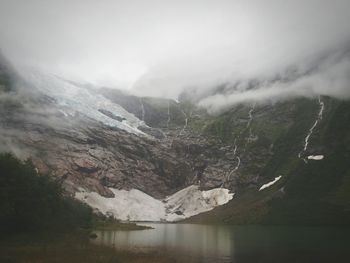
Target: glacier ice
[78, 99]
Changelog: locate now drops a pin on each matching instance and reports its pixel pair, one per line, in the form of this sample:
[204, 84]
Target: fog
[162, 48]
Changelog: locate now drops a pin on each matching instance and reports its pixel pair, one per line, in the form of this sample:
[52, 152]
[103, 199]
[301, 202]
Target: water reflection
[238, 243]
[199, 239]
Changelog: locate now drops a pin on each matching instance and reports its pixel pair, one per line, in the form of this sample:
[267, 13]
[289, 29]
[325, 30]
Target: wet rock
[93, 236]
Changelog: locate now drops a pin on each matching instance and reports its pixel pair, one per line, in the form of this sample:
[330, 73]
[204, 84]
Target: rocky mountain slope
[91, 144]
[100, 141]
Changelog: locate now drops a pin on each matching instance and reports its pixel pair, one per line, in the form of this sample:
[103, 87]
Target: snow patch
[135, 205]
[126, 205]
[192, 201]
[315, 157]
[270, 183]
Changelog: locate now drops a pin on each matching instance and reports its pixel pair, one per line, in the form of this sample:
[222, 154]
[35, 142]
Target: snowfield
[270, 183]
[135, 205]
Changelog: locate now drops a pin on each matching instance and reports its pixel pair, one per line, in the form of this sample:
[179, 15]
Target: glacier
[73, 99]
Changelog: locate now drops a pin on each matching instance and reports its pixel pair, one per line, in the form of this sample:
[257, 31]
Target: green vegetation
[157, 112]
[317, 193]
[33, 202]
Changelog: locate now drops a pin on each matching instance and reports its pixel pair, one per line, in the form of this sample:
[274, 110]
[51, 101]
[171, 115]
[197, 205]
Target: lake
[239, 244]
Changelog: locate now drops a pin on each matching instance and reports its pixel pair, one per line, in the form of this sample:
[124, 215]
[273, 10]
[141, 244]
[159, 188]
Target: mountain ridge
[179, 145]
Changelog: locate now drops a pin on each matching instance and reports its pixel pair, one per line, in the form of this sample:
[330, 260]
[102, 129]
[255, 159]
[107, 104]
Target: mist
[163, 48]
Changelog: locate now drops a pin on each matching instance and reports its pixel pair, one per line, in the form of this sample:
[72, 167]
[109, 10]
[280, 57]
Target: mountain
[143, 158]
[309, 154]
[94, 146]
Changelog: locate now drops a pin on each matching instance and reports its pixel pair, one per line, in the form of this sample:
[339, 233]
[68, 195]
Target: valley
[103, 144]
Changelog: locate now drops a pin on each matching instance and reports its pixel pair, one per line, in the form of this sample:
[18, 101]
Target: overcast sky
[160, 47]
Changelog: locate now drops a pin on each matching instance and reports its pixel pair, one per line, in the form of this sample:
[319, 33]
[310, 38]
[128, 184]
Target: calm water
[238, 243]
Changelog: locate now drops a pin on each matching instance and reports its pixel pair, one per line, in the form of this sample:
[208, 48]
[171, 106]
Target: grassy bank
[112, 224]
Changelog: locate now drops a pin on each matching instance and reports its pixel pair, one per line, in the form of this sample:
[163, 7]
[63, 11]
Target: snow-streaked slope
[311, 130]
[135, 205]
[270, 183]
[74, 99]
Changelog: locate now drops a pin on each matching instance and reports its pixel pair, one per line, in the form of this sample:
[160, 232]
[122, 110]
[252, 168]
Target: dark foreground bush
[30, 201]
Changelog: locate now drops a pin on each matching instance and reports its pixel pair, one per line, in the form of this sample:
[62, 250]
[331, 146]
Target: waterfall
[311, 130]
[142, 110]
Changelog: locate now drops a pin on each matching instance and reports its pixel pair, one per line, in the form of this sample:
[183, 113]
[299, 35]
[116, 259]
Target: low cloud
[329, 77]
[259, 50]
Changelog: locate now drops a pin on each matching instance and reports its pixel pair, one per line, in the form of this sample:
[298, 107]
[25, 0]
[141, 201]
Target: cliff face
[96, 139]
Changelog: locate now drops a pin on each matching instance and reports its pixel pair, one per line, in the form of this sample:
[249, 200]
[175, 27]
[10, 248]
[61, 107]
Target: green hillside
[314, 193]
